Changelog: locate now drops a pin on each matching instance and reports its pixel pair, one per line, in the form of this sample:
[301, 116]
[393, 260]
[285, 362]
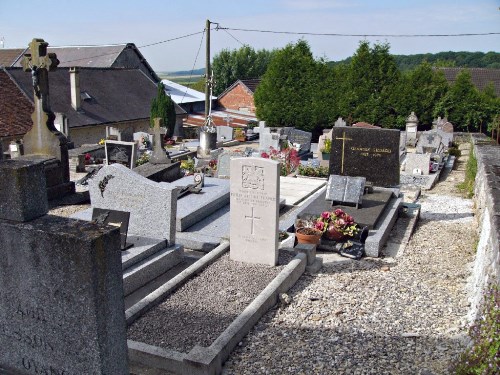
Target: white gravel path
[376, 316]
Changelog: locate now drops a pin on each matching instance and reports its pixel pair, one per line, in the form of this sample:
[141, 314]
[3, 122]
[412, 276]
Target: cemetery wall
[487, 193]
[94, 133]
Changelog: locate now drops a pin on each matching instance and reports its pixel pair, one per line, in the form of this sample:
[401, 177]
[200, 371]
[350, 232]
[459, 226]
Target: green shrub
[454, 151]
[483, 357]
[470, 175]
[310, 171]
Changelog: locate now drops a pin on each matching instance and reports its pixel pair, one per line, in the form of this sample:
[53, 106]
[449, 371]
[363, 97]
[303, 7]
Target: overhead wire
[194, 64]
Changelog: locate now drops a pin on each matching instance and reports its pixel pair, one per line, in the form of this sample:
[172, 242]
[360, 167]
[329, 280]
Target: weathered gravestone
[223, 163]
[43, 141]
[418, 161]
[430, 142]
[61, 296]
[340, 123]
[268, 140]
[124, 153]
[224, 133]
[345, 189]
[411, 129]
[300, 137]
[370, 153]
[159, 155]
[152, 205]
[255, 187]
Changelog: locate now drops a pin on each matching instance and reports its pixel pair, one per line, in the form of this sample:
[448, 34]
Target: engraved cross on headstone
[343, 138]
[41, 139]
[253, 218]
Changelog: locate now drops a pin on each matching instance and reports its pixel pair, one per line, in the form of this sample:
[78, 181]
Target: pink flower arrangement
[288, 157]
[337, 221]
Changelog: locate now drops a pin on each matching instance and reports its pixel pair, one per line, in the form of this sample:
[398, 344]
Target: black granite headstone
[370, 153]
[301, 137]
[114, 218]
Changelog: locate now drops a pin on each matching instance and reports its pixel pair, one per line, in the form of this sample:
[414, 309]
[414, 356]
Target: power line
[359, 35]
[232, 36]
[194, 64]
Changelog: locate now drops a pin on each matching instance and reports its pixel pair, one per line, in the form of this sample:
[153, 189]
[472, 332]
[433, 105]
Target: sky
[92, 22]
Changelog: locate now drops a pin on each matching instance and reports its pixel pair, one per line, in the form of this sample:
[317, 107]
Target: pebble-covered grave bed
[199, 311]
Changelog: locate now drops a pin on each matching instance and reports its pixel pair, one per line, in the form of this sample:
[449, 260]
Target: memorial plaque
[369, 153]
[345, 189]
[254, 206]
[121, 152]
[114, 218]
[300, 137]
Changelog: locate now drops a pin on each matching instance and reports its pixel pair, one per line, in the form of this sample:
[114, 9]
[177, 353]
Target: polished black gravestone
[370, 153]
[114, 218]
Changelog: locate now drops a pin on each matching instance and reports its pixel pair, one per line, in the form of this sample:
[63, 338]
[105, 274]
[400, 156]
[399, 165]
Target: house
[92, 100]
[480, 77]
[239, 96]
[188, 99]
[106, 56]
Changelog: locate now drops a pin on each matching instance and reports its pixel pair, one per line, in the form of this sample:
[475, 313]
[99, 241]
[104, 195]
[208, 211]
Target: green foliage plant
[163, 106]
[467, 186]
[187, 166]
[483, 356]
[327, 148]
[311, 171]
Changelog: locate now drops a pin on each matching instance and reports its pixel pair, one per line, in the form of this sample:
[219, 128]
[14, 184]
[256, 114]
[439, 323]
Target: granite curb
[202, 360]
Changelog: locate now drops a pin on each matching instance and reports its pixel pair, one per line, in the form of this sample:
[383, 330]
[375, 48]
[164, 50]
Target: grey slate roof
[116, 94]
[480, 77]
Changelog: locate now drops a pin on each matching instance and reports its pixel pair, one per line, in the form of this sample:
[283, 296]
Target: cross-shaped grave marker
[252, 217]
[41, 139]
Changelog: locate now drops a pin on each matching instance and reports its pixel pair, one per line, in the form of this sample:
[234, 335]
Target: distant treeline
[442, 59]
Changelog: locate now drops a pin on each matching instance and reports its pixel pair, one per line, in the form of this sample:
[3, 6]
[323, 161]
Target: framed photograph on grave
[114, 218]
[124, 153]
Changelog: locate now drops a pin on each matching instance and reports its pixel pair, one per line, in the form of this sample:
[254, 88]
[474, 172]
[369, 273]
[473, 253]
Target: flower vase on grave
[308, 235]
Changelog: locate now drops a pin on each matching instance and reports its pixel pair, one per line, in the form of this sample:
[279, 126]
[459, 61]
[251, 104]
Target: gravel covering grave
[199, 311]
[402, 315]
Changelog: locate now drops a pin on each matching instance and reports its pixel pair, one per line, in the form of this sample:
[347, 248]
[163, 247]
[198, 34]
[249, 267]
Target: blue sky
[93, 22]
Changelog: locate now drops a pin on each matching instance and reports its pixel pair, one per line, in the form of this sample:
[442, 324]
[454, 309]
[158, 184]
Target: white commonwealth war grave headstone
[255, 187]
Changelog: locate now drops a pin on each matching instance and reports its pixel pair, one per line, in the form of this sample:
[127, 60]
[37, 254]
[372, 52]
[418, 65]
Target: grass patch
[467, 187]
[483, 357]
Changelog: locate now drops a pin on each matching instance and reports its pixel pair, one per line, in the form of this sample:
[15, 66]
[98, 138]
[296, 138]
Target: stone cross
[159, 156]
[41, 139]
[252, 217]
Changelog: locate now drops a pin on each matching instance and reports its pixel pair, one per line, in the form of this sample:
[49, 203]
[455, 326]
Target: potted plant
[326, 149]
[239, 135]
[305, 231]
[336, 225]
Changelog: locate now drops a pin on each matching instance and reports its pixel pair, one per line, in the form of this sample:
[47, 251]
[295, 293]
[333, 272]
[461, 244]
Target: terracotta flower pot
[303, 237]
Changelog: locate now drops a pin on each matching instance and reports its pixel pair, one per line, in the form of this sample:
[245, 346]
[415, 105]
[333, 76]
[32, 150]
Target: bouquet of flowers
[336, 225]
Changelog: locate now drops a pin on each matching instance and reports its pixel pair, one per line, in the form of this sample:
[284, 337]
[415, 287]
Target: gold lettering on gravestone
[343, 138]
[253, 177]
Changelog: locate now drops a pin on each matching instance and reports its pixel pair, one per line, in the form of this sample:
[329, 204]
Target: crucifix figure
[42, 138]
[343, 138]
[252, 217]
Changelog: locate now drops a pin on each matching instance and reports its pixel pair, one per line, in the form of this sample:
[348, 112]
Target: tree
[244, 63]
[462, 103]
[163, 106]
[285, 95]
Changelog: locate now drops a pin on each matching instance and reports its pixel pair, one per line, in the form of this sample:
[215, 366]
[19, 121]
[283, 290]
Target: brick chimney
[74, 79]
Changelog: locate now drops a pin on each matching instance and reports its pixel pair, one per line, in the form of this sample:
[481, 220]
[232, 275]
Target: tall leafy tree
[243, 63]
[163, 106]
[285, 95]
[462, 104]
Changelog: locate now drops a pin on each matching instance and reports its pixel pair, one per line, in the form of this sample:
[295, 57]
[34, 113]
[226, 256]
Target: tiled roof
[219, 118]
[480, 77]
[116, 95]
[249, 84]
[15, 108]
[10, 56]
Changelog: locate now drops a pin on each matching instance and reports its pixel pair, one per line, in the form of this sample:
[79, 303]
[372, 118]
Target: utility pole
[207, 71]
